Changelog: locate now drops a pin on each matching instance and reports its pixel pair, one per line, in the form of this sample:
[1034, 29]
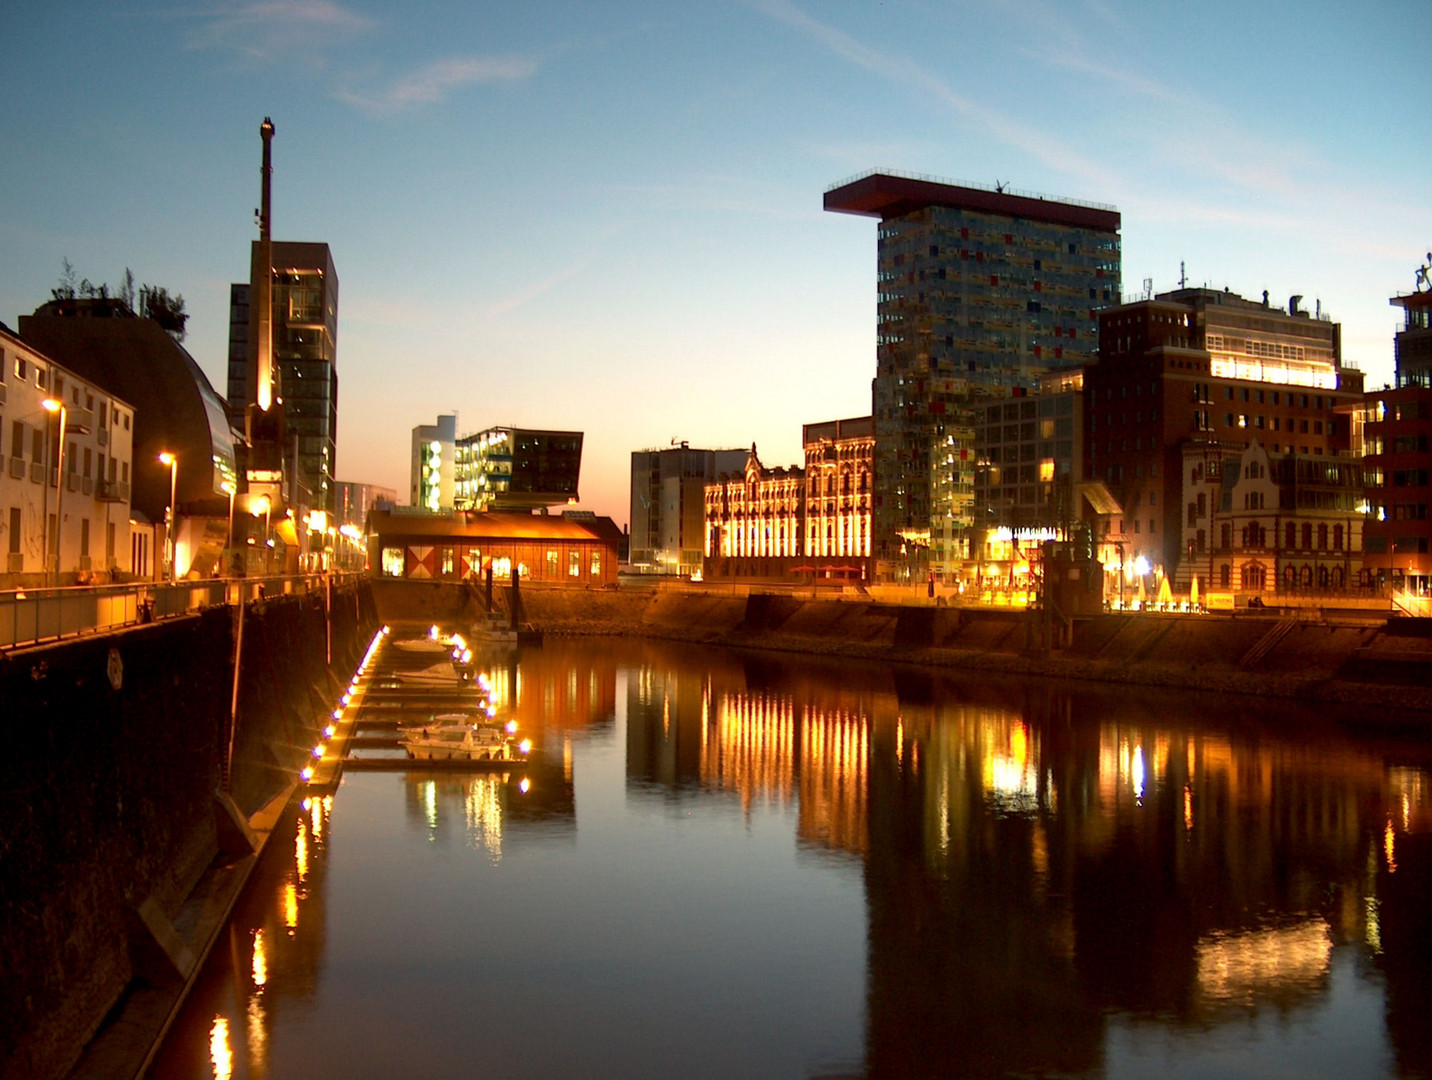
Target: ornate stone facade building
[797, 525]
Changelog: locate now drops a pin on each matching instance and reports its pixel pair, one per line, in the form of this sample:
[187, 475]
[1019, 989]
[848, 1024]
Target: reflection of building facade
[668, 505]
[1213, 369]
[1115, 866]
[979, 291]
[83, 515]
[466, 544]
[509, 468]
[809, 747]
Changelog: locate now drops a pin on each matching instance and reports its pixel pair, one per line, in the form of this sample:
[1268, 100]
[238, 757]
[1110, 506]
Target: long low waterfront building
[465, 544]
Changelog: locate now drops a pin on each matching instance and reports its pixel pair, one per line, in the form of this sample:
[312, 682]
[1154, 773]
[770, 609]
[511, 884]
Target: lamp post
[169, 459]
[54, 406]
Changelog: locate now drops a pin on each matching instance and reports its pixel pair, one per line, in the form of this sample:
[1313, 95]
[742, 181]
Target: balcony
[113, 491]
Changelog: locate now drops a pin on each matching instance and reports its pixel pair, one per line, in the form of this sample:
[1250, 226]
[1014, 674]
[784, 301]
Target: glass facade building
[509, 468]
[305, 350]
[979, 292]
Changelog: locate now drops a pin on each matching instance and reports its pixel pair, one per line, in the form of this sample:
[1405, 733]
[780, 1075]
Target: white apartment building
[64, 502]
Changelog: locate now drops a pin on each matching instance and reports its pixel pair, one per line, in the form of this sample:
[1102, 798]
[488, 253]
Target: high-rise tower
[978, 292]
[283, 375]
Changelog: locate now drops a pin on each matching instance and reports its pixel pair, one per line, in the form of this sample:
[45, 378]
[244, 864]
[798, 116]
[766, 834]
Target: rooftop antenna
[1182, 277]
[1001, 185]
[1148, 288]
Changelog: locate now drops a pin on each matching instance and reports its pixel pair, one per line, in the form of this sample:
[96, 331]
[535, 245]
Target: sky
[607, 217]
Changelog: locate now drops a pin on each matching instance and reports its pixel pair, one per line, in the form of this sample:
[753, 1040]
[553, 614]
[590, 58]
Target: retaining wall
[114, 749]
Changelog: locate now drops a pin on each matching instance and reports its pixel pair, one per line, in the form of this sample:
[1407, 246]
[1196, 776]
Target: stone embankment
[130, 826]
[1381, 665]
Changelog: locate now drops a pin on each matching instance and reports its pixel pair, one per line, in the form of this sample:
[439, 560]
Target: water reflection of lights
[300, 851]
[1010, 771]
[751, 747]
[221, 1055]
[1124, 768]
[482, 807]
[1389, 847]
[260, 961]
[1408, 788]
[290, 907]
[430, 805]
[257, 1021]
[1372, 923]
[1187, 808]
[1235, 968]
[835, 751]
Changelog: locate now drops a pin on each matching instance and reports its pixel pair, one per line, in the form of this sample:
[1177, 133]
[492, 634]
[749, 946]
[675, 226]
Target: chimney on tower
[263, 382]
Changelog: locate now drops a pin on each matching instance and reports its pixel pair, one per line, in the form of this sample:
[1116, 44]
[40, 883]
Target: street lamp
[54, 406]
[169, 459]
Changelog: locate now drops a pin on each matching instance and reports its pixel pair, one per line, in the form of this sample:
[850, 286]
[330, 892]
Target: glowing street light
[54, 406]
[172, 461]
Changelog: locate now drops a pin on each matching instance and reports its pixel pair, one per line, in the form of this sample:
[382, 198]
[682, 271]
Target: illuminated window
[393, 561]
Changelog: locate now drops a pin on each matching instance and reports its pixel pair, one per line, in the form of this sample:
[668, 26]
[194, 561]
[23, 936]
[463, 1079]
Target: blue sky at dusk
[607, 216]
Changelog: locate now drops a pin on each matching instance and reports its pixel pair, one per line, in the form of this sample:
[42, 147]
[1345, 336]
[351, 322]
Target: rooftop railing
[995, 189]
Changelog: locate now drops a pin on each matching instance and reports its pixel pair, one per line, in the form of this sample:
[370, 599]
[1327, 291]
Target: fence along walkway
[33, 616]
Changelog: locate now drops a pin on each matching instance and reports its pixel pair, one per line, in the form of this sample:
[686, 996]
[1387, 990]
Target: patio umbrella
[1193, 593]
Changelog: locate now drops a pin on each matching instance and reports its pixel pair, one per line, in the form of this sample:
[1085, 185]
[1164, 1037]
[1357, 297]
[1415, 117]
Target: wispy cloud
[265, 28]
[435, 82]
[903, 71]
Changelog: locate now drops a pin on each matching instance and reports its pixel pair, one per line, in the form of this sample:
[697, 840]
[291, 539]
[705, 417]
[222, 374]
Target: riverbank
[1385, 668]
[136, 807]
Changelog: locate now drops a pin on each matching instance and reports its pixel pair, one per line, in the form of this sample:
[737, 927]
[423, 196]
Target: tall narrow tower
[264, 427]
[263, 374]
[283, 375]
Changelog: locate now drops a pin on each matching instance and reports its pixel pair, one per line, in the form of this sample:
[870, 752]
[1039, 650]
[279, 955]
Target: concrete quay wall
[1383, 666]
[109, 794]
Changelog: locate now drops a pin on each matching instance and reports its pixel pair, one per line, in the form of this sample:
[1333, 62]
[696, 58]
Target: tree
[66, 288]
[155, 301]
[168, 311]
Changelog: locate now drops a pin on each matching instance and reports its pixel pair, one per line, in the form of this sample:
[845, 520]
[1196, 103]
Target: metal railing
[34, 616]
[993, 189]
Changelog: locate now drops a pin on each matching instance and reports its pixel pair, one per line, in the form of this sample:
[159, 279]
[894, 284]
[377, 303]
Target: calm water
[737, 866]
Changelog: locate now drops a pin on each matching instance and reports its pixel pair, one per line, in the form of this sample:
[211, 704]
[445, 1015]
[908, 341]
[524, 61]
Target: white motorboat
[462, 742]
